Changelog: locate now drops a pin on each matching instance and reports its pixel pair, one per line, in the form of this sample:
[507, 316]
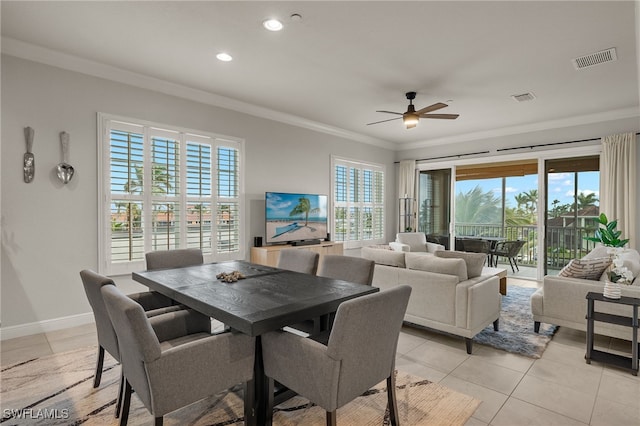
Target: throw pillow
[588, 269]
[474, 261]
[438, 265]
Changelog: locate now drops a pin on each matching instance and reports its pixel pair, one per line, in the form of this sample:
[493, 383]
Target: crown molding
[618, 114]
[35, 53]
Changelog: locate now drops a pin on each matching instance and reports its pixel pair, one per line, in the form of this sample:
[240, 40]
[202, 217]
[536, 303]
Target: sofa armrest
[477, 302]
[396, 246]
[433, 247]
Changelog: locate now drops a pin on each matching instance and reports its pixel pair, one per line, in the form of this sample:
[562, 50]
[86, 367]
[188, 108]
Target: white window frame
[361, 165]
[107, 122]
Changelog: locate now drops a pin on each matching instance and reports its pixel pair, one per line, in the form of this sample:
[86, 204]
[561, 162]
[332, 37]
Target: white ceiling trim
[58, 59]
[618, 114]
[32, 52]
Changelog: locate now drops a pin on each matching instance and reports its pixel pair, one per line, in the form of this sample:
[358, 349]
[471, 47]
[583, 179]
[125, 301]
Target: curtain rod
[449, 156]
[550, 144]
[509, 149]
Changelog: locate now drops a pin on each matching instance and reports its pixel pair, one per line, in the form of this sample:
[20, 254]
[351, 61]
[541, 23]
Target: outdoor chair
[173, 374]
[169, 320]
[477, 246]
[304, 261]
[360, 353]
[508, 249]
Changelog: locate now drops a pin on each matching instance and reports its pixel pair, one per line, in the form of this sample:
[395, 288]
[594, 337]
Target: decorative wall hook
[29, 167]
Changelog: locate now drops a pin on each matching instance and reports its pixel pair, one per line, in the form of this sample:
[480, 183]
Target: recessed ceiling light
[272, 25]
[224, 57]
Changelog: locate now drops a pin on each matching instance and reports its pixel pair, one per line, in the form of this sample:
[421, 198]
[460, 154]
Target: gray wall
[49, 230]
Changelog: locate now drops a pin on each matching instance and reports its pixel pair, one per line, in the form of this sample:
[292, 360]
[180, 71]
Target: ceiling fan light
[410, 120]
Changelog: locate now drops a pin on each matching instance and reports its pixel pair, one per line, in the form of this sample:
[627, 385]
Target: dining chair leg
[331, 418]
[159, 421]
[120, 394]
[126, 403]
[99, 363]
[391, 399]
[496, 325]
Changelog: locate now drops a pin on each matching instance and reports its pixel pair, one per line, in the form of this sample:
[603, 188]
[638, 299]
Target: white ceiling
[345, 60]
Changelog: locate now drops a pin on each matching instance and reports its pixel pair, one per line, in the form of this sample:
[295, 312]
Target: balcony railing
[563, 243]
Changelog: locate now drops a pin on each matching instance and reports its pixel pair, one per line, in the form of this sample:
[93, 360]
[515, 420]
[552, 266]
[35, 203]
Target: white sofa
[562, 300]
[414, 242]
[443, 296]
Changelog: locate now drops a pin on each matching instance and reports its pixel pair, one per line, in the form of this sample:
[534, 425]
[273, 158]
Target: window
[358, 202]
[164, 189]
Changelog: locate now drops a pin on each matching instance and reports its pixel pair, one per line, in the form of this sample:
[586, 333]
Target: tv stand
[305, 243]
[269, 255]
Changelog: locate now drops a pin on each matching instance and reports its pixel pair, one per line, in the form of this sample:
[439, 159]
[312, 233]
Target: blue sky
[561, 186]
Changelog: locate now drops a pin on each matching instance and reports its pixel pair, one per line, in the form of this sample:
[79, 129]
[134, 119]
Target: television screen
[295, 217]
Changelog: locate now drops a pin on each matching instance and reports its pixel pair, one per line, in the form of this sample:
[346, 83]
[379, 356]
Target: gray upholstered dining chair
[347, 268]
[297, 260]
[360, 353]
[169, 321]
[170, 375]
[163, 259]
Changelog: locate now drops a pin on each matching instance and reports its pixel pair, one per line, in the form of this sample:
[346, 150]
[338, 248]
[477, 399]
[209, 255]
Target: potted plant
[609, 236]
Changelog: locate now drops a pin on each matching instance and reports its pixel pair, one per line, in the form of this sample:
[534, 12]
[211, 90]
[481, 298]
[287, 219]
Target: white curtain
[407, 181]
[407, 189]
[618, 183]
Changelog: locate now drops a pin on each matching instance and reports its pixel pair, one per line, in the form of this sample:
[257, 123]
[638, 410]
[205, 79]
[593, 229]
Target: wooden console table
[269, 255]
[606, 357]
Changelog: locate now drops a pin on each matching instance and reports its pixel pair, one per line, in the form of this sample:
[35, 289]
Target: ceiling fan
[411, 117]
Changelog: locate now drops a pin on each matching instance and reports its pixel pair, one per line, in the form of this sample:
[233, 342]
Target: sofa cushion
[474, 261]
[383, 257]
[589, 269]
[420, 262]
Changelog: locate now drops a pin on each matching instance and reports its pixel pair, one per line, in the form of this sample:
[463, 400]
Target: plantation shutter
[165, 189]
[358, 202]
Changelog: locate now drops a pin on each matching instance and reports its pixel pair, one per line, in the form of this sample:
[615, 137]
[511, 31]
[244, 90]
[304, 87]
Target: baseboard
[45, 326]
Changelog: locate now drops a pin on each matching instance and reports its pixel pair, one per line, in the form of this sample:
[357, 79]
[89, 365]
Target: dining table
[265, 299]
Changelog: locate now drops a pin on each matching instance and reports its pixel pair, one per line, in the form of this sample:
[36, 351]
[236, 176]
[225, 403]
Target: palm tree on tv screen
[304, 207]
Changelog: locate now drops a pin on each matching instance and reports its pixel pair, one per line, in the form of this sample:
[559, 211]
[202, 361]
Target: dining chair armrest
[193, 370]
[150, 300]
[172, 325]
[302, 365]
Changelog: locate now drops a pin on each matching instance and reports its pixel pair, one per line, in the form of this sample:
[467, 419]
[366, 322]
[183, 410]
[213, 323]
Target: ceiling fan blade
[391, 112]
[383, 121]
[445, 116]
[411, 126]
[433, 107]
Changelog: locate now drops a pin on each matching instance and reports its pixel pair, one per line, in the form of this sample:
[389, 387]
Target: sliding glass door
[434, 205]
[572, 209]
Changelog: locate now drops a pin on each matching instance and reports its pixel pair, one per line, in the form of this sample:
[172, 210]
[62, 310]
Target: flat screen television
[295, 217]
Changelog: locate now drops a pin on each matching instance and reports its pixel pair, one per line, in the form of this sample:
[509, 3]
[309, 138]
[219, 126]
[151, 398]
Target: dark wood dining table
[267, 299]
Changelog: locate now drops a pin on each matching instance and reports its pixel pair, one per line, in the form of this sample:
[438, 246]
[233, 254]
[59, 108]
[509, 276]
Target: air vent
[594, 59]
[524, 97]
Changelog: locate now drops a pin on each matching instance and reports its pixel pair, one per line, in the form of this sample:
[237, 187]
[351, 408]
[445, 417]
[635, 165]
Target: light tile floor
[557, 389]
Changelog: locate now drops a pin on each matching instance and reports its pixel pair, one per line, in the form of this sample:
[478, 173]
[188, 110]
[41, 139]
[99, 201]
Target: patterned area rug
[516, 326]
[57, 390]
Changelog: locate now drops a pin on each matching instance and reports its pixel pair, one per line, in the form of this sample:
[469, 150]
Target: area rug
[57, 390]
[516, 326]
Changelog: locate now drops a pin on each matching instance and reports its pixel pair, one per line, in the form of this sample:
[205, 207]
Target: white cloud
[589, 191]
[558, 176]
[510, 189]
